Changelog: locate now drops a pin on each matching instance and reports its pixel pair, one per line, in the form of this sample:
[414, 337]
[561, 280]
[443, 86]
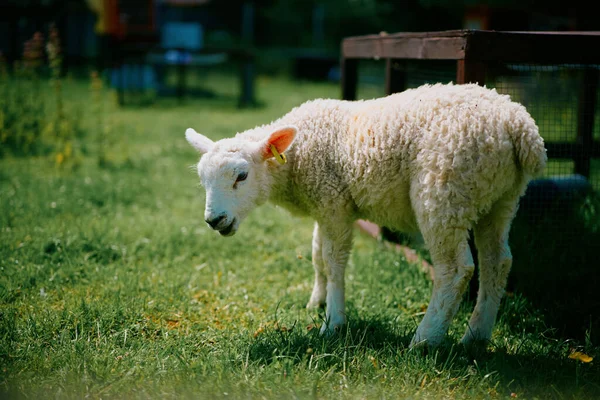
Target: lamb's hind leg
[453, 267]
[319, 293]
[495, 260]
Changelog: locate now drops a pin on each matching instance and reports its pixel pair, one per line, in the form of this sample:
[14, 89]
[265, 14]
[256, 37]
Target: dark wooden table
[474, 51]
[149, 53]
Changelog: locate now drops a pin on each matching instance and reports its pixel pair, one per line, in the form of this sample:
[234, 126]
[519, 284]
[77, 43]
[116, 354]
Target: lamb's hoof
[312, 304]
[424, 342]
[418, 344]
[474, 341]
[331, 329]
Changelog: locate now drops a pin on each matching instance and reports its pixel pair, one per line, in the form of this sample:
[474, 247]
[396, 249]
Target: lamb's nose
[215, 221]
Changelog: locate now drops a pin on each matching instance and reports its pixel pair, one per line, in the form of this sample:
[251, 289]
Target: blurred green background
[112, 286]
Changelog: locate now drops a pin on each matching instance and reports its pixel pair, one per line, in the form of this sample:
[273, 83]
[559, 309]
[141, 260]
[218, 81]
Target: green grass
[112, 286]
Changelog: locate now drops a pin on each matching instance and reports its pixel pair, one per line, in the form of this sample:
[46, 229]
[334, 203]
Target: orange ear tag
[281, 158]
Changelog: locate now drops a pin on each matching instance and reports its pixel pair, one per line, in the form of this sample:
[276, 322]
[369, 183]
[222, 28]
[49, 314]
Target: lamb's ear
[198, 141]
[281, 139]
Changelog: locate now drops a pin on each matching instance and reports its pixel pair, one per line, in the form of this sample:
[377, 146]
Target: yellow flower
[68, 149]
[577, 355]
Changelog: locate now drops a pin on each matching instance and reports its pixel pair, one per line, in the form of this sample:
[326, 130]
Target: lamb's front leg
[336, 243]
[319, 293]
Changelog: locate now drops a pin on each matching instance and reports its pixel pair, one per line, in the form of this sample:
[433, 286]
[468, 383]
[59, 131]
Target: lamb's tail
[528, 144]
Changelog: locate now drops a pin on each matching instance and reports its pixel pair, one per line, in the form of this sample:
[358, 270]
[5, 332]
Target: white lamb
[440, 159]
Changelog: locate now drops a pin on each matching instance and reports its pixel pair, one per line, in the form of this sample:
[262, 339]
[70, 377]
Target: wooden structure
[474, 52]
[142, 43]
[520, 63]
[154, 55]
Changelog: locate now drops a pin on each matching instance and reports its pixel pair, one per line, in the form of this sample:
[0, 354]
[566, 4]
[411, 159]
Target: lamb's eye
[241, 177]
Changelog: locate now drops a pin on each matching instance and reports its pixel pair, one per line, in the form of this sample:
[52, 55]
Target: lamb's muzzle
[215, 221]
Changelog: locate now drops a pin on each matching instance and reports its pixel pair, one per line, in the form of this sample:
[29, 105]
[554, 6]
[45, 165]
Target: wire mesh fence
[552, 95]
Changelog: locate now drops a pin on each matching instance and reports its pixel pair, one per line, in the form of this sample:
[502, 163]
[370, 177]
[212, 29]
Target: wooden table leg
[246, 84]
[585, 121]
[349, 78]
[468, 71]
[395, 77]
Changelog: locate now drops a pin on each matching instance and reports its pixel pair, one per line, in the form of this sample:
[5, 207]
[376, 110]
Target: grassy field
[112, 286]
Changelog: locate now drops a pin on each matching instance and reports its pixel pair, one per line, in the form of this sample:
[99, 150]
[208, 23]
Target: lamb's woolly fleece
[441, 159]
[440, 154]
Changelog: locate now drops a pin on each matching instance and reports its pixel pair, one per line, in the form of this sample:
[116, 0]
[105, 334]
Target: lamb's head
[237, 173]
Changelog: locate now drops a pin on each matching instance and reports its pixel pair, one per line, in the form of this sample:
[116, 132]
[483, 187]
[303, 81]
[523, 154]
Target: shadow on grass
[553, 307]
[555, 251]
[534, 374]
[298, 342]
[555, 242]
[534, 371]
